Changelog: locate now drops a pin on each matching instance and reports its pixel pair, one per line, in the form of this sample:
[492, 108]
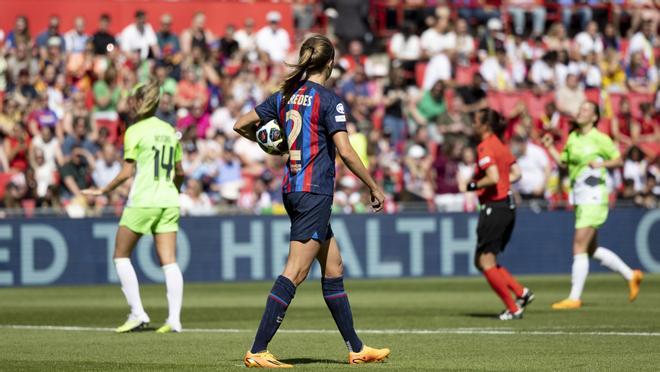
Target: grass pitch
[430, 324]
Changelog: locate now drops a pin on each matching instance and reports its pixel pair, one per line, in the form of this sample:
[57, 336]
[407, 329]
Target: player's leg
[334, 293]
[524, 296]
[124, 243]
[580, 269]
[487, 263]
[166, 249]
[299, 262]
[613, 262]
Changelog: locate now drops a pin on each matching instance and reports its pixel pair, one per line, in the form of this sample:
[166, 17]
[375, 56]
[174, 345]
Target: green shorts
[590, 215]
[151, 220]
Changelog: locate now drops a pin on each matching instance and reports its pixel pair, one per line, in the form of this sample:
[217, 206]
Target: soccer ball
[270, 138]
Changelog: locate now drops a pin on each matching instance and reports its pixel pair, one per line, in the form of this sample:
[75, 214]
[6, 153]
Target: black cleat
[526, 299]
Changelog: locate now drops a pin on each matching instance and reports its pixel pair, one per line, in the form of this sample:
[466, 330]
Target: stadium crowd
[64, 100]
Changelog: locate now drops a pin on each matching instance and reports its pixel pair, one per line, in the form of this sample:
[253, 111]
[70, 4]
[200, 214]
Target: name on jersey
[300, 99]
[162, 138]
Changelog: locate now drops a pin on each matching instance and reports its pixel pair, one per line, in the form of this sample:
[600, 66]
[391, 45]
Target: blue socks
[279, 299]
[337, 301]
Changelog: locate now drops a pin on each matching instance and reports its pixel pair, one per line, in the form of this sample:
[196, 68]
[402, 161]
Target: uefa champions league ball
[270, 138]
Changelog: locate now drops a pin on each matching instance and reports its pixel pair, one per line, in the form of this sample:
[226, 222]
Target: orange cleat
[634, 285]
[368, 355]
[567, 304]
[263, 360]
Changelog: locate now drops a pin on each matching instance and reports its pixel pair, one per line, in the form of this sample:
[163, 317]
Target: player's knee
[296, 276]
[334, 270]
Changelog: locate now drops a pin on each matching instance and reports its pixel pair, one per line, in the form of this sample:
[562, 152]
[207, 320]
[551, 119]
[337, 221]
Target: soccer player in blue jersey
[314, 121]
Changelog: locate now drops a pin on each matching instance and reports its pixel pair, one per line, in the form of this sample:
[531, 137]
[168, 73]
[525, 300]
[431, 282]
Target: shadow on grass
[481, 315]
[310, 361]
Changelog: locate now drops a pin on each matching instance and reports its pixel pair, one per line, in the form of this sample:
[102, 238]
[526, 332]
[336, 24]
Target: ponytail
[315, 53]
[494, 120]
[148, 94]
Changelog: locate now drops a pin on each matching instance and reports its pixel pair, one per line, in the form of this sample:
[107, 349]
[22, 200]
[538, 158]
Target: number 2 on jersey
[158, 162]
[296, 120]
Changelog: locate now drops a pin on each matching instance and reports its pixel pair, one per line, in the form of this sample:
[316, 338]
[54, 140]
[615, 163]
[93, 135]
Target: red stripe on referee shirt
[314, 143]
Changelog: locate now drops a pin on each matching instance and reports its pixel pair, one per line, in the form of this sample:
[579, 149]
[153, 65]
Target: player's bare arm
[126, 172]
[353, 162]
[246, 125]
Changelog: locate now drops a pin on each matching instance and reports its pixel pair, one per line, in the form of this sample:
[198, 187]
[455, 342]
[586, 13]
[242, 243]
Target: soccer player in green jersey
[152, 155]
[588, 154]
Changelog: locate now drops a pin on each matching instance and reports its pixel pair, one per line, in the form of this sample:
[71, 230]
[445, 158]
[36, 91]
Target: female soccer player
[496, 169]
[314, 120]
[152, 151]
[588, 154]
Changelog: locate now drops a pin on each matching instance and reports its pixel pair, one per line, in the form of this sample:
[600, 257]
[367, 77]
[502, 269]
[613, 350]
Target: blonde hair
[148, 96]
[315, 53]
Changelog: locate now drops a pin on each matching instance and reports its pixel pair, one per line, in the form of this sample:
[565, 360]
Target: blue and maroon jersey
[309, 119]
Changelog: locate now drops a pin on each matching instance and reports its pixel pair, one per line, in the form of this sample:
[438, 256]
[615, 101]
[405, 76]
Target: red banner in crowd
[218, 13]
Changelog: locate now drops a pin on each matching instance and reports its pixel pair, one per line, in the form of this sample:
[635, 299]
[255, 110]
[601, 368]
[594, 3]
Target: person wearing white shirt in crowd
[591, 71]
[49, 146]
[534, 166]
[635, 168]
[542, 73]
[465, 48]
[246, 37]
[439, 38]
[589, 41]
[495, 72]
[76, 39]
[438, 68]
[194, 202]
[273, 39]
[643, 41]
[44, 172]
[405, 45]
[139, 36]
[106, 167]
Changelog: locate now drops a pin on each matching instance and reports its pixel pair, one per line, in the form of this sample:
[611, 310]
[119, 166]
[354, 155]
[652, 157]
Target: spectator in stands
[197, 35]
[139, 37]
[635, 169]
[590, 71]
[496, 72]
[41, 116]
[168, 41]
[518, 9]
[355, 90]
[194, 202]
[23, 91]
[102, 39]
[16, 145]
[477, 12]
[427, 107]
[613, 72]
[106, 167]
[474, 95]
[610, 37]
[589, 40]
[405, 47]
[197, 118]
[649, 128]
[228, 43]
[556, 38]
[192, 88]
[624, 125]
[354, 58]
[106, 93]
[229, 180]
[49, 146]
[44, 172]
[542, 73]
[465, 48]
[644, 41]
[75, 40]
[640, 75]
[351, 21]
[534, 166]
[53, 31]
[570, 7]
[166, 110]
[454, 124]
[76, 173]
[273, 39]
[417, 174]
[247, 39]
[439, 39]
[20, 35]
[395, 100]
[493, 39]
[570, 96]
[79, 138]
[438, 68]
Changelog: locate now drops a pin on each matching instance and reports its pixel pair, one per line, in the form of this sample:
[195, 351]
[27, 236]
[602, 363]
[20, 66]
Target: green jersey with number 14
[154, 146]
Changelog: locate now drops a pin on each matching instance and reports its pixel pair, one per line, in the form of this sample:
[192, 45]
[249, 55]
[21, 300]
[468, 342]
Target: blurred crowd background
[411, 72]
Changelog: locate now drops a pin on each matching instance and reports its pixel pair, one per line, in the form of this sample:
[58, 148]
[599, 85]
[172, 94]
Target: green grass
[580, 340]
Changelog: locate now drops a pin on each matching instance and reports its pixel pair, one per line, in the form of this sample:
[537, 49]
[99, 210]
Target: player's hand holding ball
[271, 139]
